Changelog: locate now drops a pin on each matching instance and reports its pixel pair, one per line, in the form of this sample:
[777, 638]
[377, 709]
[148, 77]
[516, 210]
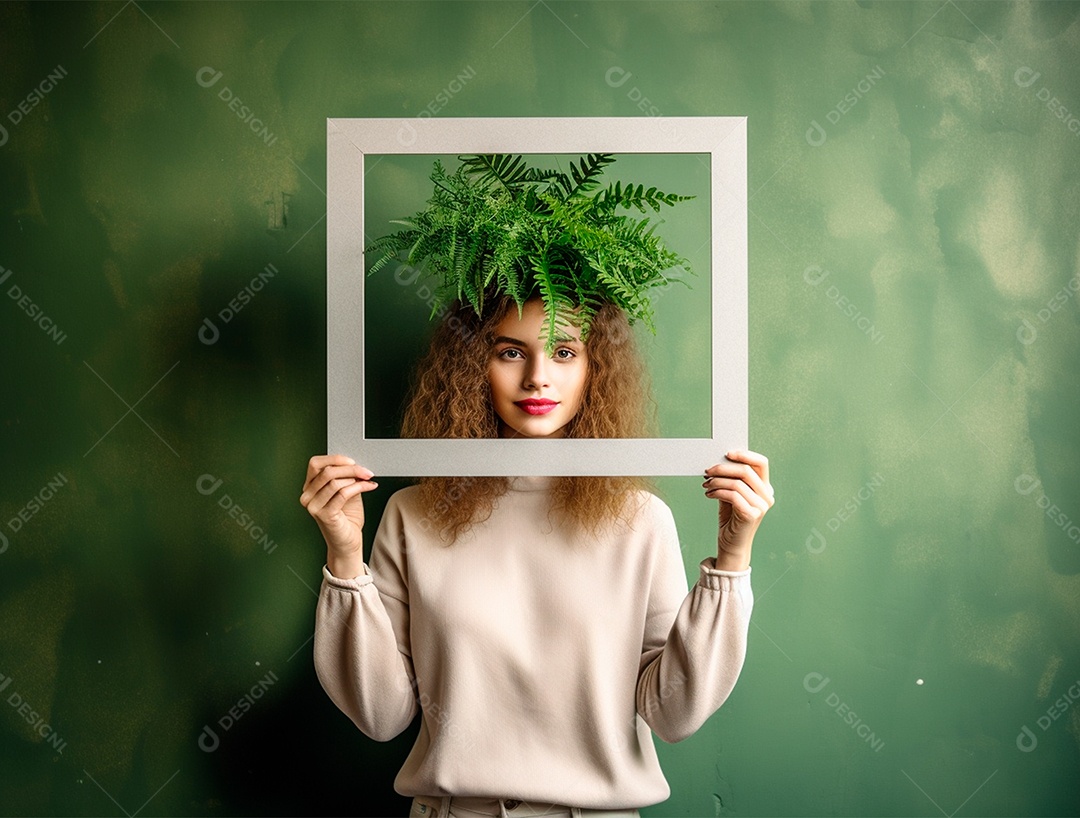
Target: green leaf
[498, 224]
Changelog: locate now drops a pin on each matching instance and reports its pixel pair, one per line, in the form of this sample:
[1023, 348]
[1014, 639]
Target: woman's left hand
[745, 494]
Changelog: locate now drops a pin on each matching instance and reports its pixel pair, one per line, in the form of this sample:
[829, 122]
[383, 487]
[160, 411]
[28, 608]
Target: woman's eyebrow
[502, 339]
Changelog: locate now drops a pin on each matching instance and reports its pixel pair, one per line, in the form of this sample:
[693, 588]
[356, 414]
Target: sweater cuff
[719, 580]
[353, 584]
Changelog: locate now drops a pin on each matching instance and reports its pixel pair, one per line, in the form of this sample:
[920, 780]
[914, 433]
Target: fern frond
[615, 195]
[506, 169]
[585, 173]
[498, 225]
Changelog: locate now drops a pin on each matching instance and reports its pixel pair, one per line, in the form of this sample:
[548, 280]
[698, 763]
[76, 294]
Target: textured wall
[914, 337]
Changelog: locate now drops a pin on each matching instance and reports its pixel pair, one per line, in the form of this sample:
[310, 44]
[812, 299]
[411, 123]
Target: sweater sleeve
[362, 649]
[694, 643]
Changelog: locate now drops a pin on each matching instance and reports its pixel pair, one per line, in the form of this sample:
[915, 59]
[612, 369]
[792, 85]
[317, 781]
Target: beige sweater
[539, 664]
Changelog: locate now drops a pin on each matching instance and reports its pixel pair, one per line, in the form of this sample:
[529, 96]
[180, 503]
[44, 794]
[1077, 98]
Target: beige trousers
[472, 807]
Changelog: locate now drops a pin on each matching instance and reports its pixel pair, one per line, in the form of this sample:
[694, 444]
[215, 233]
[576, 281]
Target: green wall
[913, 348]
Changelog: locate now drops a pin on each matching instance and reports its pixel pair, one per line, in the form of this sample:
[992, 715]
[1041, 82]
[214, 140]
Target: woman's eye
[568, 356]
[509, 353]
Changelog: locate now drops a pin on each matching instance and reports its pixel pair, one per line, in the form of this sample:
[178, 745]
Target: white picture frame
[349, 140]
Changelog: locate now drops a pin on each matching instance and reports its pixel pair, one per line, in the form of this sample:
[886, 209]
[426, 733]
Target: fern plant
[497, 225]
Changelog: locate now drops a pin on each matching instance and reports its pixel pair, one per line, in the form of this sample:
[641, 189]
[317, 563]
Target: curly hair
[450, 397]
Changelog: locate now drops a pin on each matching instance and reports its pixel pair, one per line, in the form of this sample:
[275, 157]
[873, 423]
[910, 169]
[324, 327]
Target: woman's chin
[533, 430]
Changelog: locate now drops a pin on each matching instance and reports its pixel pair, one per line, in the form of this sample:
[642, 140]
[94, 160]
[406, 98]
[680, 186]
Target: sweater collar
[531, 483]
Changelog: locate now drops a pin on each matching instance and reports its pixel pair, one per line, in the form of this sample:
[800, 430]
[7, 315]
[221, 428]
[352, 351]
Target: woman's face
[535, 395]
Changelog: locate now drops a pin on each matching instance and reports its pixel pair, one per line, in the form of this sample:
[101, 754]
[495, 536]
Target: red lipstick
[536, 406]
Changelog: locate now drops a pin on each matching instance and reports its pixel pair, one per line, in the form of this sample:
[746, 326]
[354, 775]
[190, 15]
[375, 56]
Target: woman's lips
[536, 407]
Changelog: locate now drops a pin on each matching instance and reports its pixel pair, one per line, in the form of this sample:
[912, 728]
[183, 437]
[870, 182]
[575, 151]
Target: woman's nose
[536, 373]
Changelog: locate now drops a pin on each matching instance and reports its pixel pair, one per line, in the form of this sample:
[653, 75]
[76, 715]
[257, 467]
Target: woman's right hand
[332, 496]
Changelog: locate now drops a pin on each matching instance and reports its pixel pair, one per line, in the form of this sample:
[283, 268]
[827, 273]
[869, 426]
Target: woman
[542, 625]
